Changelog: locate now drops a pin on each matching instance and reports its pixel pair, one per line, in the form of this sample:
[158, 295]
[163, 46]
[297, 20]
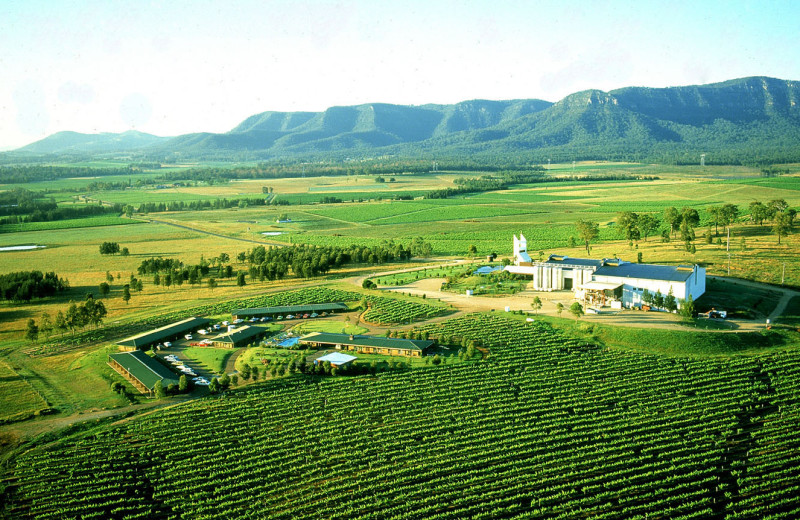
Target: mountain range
[736, 120]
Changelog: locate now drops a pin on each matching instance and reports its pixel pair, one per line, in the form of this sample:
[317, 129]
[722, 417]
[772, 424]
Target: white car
[238, 321]
[167, 344]
[201, 382]
[202, 331]
[188, 336]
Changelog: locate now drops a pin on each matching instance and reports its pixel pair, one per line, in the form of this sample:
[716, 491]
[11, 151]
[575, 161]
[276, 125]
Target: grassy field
[214, 359]
[545, 213]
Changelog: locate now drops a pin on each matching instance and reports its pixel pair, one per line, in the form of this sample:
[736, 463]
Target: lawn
[19, 399]
[213, 358]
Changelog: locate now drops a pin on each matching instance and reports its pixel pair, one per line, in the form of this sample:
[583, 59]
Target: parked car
[201, 382]
[238, 321]
[305, 316]
[290, 316]
[167, 344]
[202, 331]
[225, 323]
[314, 314]
[253, 319]
[279, 318]
[188, 337]
[216, 326]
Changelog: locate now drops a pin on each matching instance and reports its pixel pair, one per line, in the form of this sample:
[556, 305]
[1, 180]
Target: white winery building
[611, 282]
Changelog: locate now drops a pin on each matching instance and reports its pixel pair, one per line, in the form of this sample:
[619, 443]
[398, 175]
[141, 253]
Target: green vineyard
[545, 426]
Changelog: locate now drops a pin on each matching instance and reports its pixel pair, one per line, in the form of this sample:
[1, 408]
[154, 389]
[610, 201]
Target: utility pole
[728, 249]
[783, 273]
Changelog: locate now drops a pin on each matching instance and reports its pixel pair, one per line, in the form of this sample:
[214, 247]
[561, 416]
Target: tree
[715, 212]
[473, 250]
[139, 286]
[225, 381]
[536, 304]
[647, 297]
[782, 226]
[109, 277]
[672, 218]
[46, 324]
[436, 360]
[212, 284]
[627, 225]
[109, 248]
[758, 212]
[124, 252]
[61, 322]
[559, 308]
[104, 289]
[658, 299]
[240, 279]
[670, 304]
[647, 224]
[687, 234]
[159, 390]
[183, 383]
[687, 307]
[576, 309]
[775, 207]
[587, 231]
[729, 213]
[368, 284]
[213, 386]
[126, 293]
[690, 216]
[32, 330]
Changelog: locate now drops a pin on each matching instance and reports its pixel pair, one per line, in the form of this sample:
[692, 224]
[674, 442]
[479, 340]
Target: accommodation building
[165, 333]
[367, 344]
[272, 312]
[142, 371]
[239, 337]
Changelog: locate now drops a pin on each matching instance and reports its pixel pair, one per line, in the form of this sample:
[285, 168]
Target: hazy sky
[175, 67]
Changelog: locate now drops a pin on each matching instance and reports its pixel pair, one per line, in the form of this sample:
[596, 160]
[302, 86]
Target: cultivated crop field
[545, 426]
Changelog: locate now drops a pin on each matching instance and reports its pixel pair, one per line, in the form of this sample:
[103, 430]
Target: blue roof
[667, 273]
[565, 260]
[487, 269]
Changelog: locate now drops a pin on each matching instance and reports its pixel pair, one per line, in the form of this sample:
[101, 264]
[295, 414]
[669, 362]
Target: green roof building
[165, 333]
[142, 371]
[258, 312]
[368, 344]
[239, 337]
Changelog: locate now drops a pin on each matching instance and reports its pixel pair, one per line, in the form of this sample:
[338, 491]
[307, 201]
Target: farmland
[546, 426]
[557, 418]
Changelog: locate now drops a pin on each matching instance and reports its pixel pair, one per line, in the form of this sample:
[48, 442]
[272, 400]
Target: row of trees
[77, 316]
[305, 261]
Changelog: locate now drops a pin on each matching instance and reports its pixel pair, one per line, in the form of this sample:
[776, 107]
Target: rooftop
[366, 341]
[144, 368]
[291, 309]
[236, 335]
[165, 332]
[667, 273]
[565, 260]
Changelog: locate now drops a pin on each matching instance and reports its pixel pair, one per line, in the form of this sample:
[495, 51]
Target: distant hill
[746, 119]
[74, 142]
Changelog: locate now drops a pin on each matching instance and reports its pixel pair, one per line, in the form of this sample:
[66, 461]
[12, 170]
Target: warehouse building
[142, 371]
[367, 344]
[239, 337]
[166, 333]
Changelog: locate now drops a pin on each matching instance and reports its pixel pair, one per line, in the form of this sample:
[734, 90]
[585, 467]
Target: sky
[174, 67]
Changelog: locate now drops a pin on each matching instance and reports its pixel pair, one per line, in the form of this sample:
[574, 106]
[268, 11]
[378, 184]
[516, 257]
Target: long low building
[142, 371]
[165, 333]
[367, 344]
[261, 312]
[239, 337]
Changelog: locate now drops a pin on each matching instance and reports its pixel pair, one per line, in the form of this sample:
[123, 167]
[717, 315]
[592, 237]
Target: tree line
[23, 286]
[306, 261]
